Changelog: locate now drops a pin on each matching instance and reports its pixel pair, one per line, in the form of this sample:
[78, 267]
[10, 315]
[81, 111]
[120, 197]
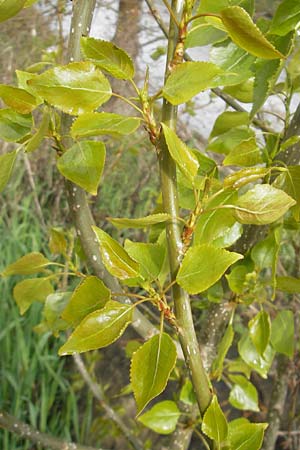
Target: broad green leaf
[251, 356]
[246, 436]
[238, 275]
[239, 366]
[36, 140]
[188, 79]
[9, 8]
[224, 346]
[290, 182]
[54, 305]
[246, 35]
[14, 126]
[282, 335]
[262, 205]
[260, 331]
[218, 228]
[109, 57]
[203, 265]
[31, 290]
[89, 296]
[187, 394]
[267, 73]
[243, 92]
[182, 155]
[151, 366]
[203, 33]
[7, 162]
[27, 265]
[214, 423]
[76, 88]
[83, 164]
[215, 6]
[23, 77]
[57, 242]
[245, 154]
[236, 63]
[162, 418]
[228, 120]
[141, 222]
[290, 285]
[286, 18]
[243, 394]
[265, 252]
[115, 258]
[96, 124]
[99, 329]
[242, 177]
[18, 99]
[149, 256]
[230, 139]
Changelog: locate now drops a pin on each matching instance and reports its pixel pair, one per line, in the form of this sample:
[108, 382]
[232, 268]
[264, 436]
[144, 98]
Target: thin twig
[99, 395]
[25, 431]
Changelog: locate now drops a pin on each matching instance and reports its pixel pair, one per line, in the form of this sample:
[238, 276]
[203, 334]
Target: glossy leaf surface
[251, 356]
[89, 296]
[27, 265]
[243, 394]
[246, 436]
[262, 205]
[151, 366]
[149, 256]
[115, 258]
[228, 120]
[214, 423]
[286, 18]
[245, 154]
[31, 290]
[282, 336]
[140, 222]
[99, 329]
[162, 418]
[246, 35]
[96, 124]
[203, 265]
[7, 162]
[14, 126]
[76, 88]
[182, 155]
[17, 99]
[260, 330]
[83, 164]
[188, 79]
[108, 56]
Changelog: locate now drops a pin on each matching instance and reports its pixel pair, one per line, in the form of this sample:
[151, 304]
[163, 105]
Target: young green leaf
[151, 366]
[230, 139]
[27, 265]
[31, 290]
[54, 305]
[115, 258]
[243, 394]
[9, 8]
[76, 88]
[245, 154]
[203, 265]
[99, 329]
[162, 418]
[241, 178]
[57, 241]
[149, 256]
[262, 205]
[182, 155]
[224, 346]
[286, 18]
[96, 124]
[18, 99]
[7, 162]
[187, 393]
[35, 141]
[108, 57]
[188, 79]
[246, 436]
[283, 333]
[251, 356]
[228, 120]
[214, 423]
[141, 222]
[264, 252]
[14, 126]
[83, 164]
[260, 331]
[89, 296]
[246, 35]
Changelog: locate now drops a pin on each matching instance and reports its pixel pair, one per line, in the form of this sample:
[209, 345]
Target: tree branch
[25, 431]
